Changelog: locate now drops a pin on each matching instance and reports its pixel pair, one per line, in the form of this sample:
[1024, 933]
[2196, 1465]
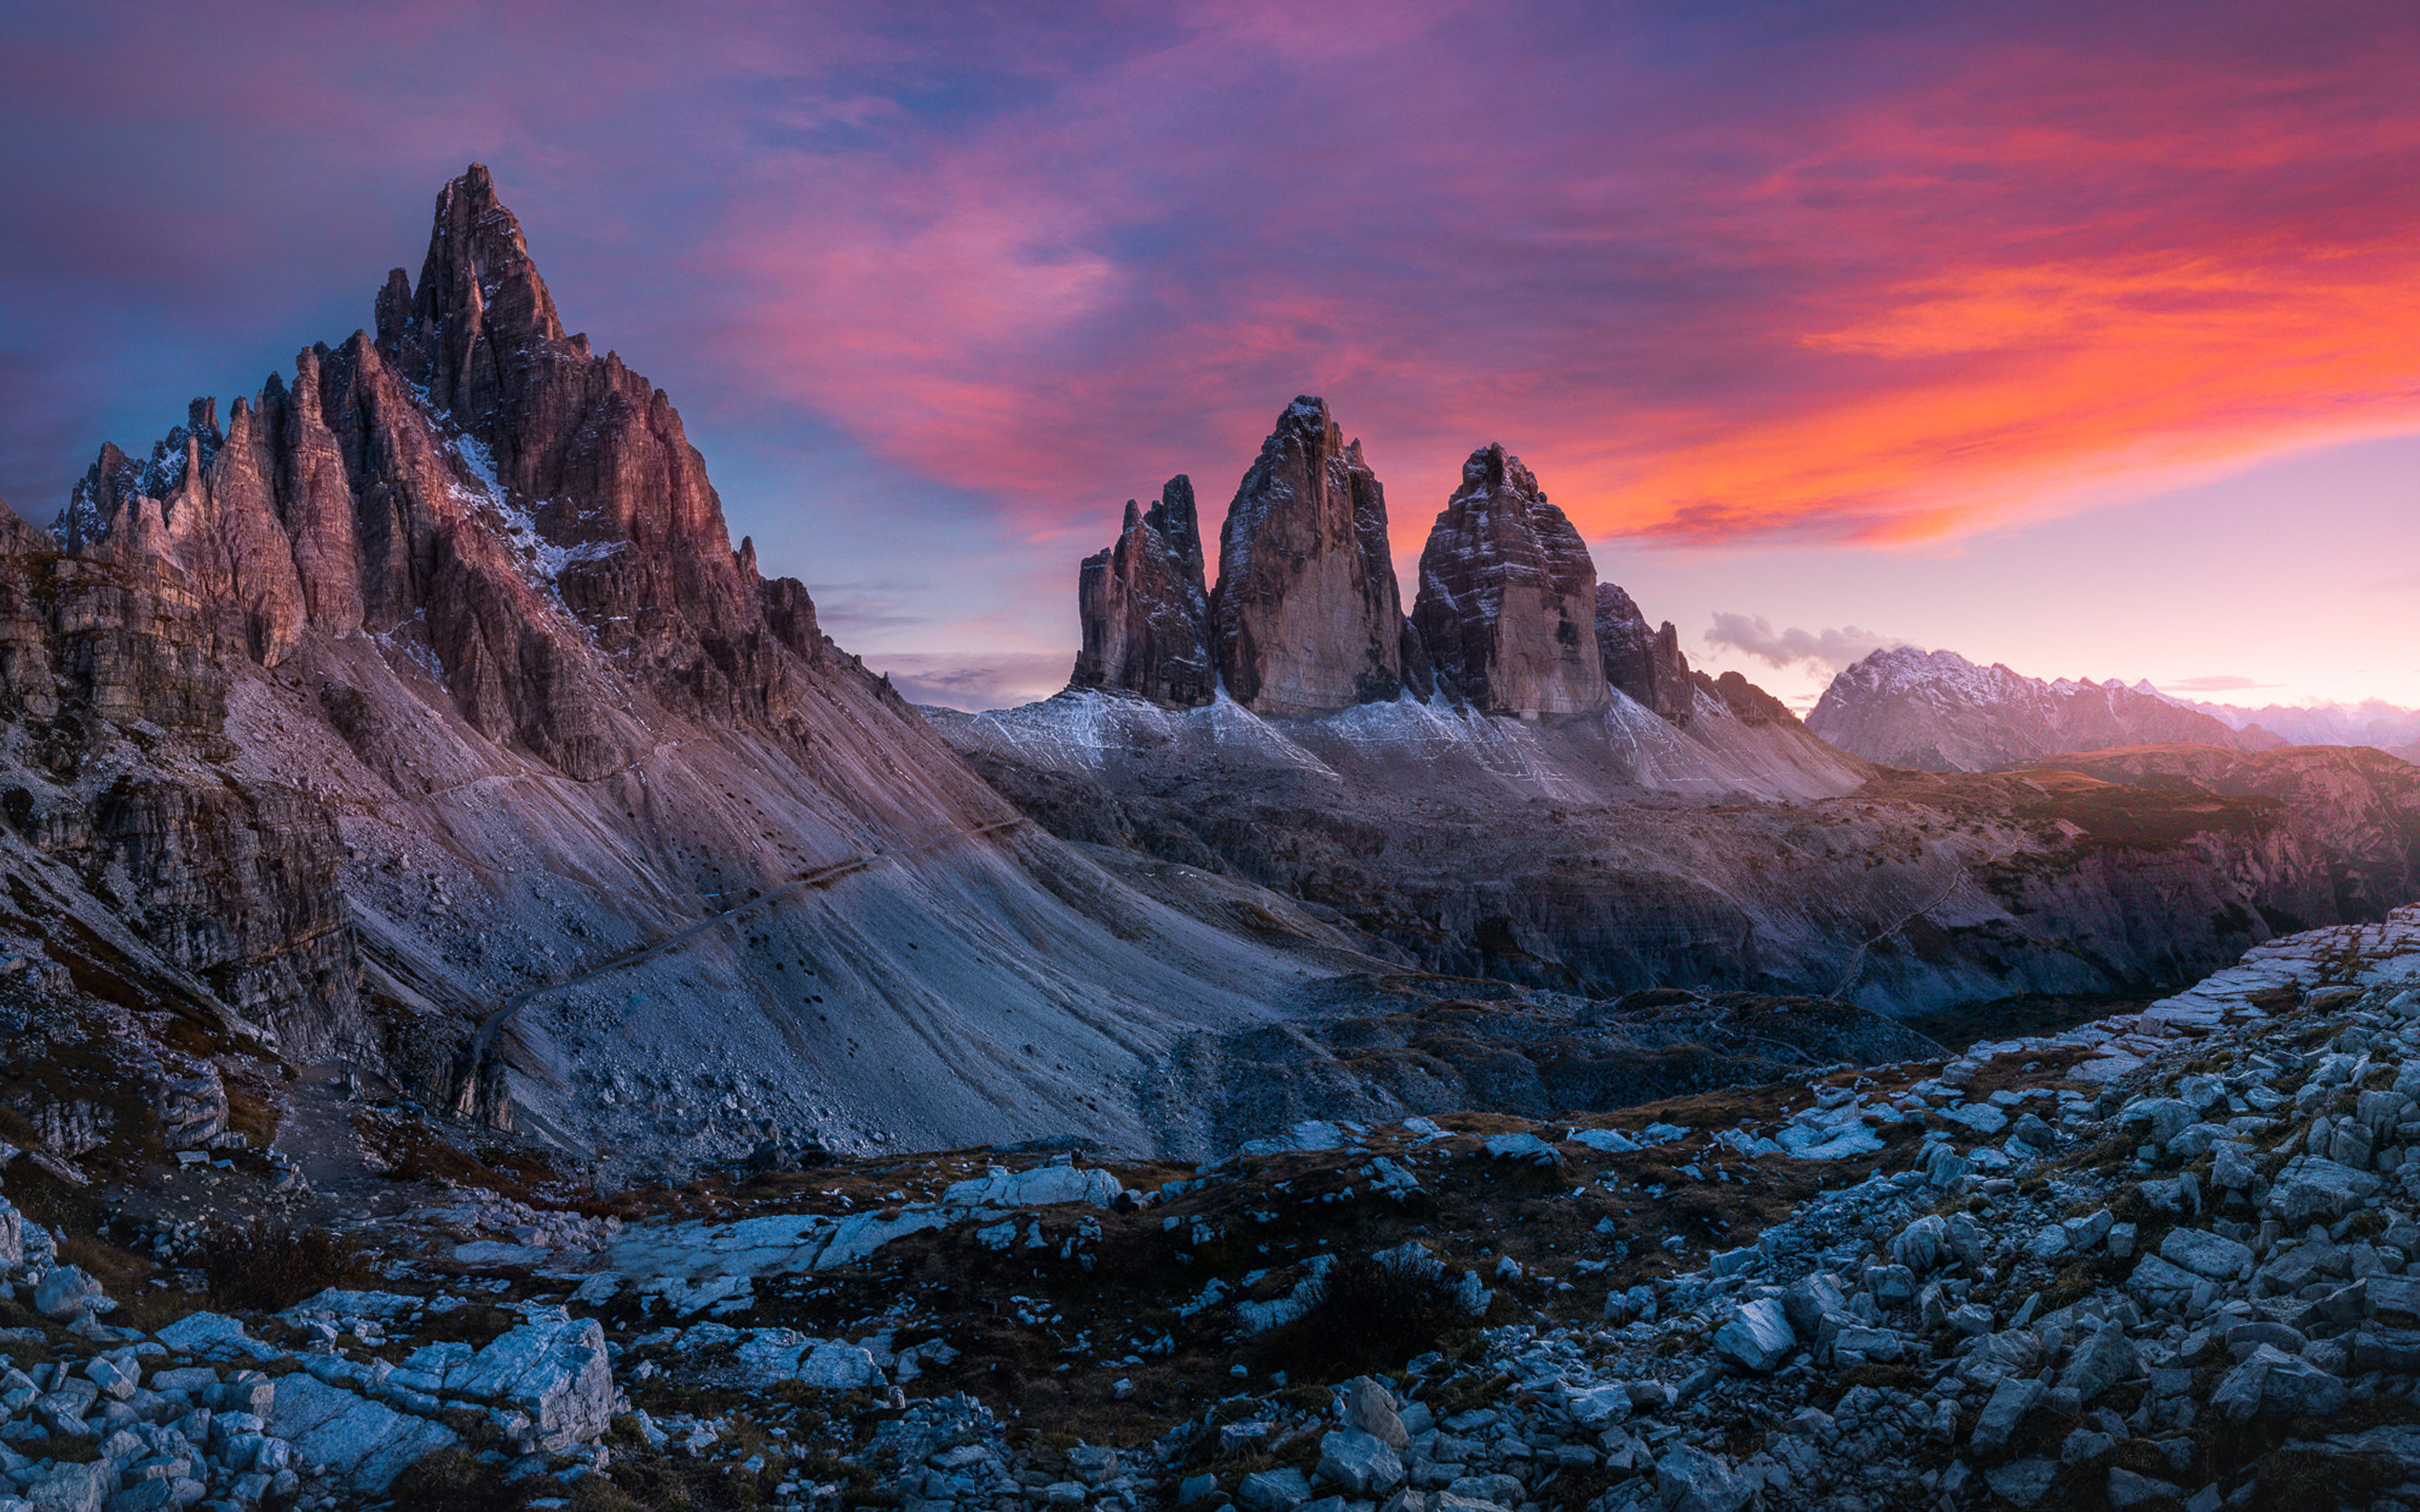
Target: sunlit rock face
[1306, 617]
[1145, 609]
[1506, 605]
[1646, 664]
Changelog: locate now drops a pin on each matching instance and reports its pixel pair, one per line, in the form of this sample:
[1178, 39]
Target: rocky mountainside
[1607, 820]
[2161, 1258]
[1938, 712]
[1582, 855]
[421, 723]
[2359, 804]
[1507, 608]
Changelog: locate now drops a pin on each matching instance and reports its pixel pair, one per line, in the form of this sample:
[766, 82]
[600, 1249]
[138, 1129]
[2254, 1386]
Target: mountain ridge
[1937, 711]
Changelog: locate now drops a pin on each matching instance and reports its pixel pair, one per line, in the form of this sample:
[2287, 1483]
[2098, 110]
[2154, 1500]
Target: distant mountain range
[1938, 712]
[2388, 727]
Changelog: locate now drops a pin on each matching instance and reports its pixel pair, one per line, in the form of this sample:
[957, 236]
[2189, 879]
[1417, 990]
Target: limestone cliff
[1146, 609]
[1307, 616]
[1506, 604]
[1645, 664]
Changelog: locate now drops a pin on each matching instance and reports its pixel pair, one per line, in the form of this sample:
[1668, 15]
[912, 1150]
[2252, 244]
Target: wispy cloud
[1831, 649]
[1884, 274]
[2216, 683]
[973, 681]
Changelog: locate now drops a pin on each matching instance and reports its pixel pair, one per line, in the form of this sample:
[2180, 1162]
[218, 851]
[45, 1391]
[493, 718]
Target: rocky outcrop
[474, 481]
[401, 714]
[1146, 609]
[1939, 712]
[1307, 616]
[1507, 603]
[1645, 664]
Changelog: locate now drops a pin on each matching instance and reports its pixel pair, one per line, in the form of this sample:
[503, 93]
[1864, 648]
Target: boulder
[1273, 1490]
[66, 1292]
[70, 1487]
[555, 1369]
[1922, 1246]
[1370, 1408]
[2158, 1283]
[1688, 1479]
[2011, 1399]
[2312, 1190]
[1362, 1463]
[2100, 1362]
[1757, 1339]
[2205, 1254]
[2272, 1383]
[367, 1443]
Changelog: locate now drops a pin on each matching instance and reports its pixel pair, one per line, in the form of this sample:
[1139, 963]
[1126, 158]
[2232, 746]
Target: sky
[2078, 337]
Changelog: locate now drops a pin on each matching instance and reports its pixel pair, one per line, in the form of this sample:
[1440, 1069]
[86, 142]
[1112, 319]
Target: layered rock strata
[1145, 608]
[1506, 604]
[1307, 616]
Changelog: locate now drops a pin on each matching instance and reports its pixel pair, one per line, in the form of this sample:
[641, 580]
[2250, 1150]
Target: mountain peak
[1936, 710]
[478, 287]
[1507, 603]
[1305, 616]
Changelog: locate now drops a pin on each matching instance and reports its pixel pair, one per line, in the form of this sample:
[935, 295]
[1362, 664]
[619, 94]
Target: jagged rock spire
[475, 483]
[480, 304]
[1506, 605]
[1144, 607]
[1645, 664]
[1307, 616]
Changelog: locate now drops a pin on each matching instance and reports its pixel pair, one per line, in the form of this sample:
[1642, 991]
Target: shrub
[269, 1265]
[456, 1480]
[1366, 1313]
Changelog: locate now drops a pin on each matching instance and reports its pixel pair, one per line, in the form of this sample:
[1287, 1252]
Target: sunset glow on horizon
[1777, 302]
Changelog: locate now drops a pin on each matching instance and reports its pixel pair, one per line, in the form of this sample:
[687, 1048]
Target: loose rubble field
[2155, 1260]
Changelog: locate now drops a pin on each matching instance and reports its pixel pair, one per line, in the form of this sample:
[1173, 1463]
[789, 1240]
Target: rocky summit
[1307, 616]
[1646, 665]
[1144, 610]
[1508, 601]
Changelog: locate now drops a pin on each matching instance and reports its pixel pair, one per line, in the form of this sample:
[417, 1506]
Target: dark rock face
[1938, 712]
[1750, 704]
[1645, 664]
[160, 883]
[1307, 616]
[1146, 610]
[1506, 604]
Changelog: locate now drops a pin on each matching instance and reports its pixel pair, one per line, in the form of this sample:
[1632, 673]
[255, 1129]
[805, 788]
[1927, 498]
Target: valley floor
[2158, 1258]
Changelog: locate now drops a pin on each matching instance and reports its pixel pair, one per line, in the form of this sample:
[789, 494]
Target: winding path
[1857, 961]
[493, 1024]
